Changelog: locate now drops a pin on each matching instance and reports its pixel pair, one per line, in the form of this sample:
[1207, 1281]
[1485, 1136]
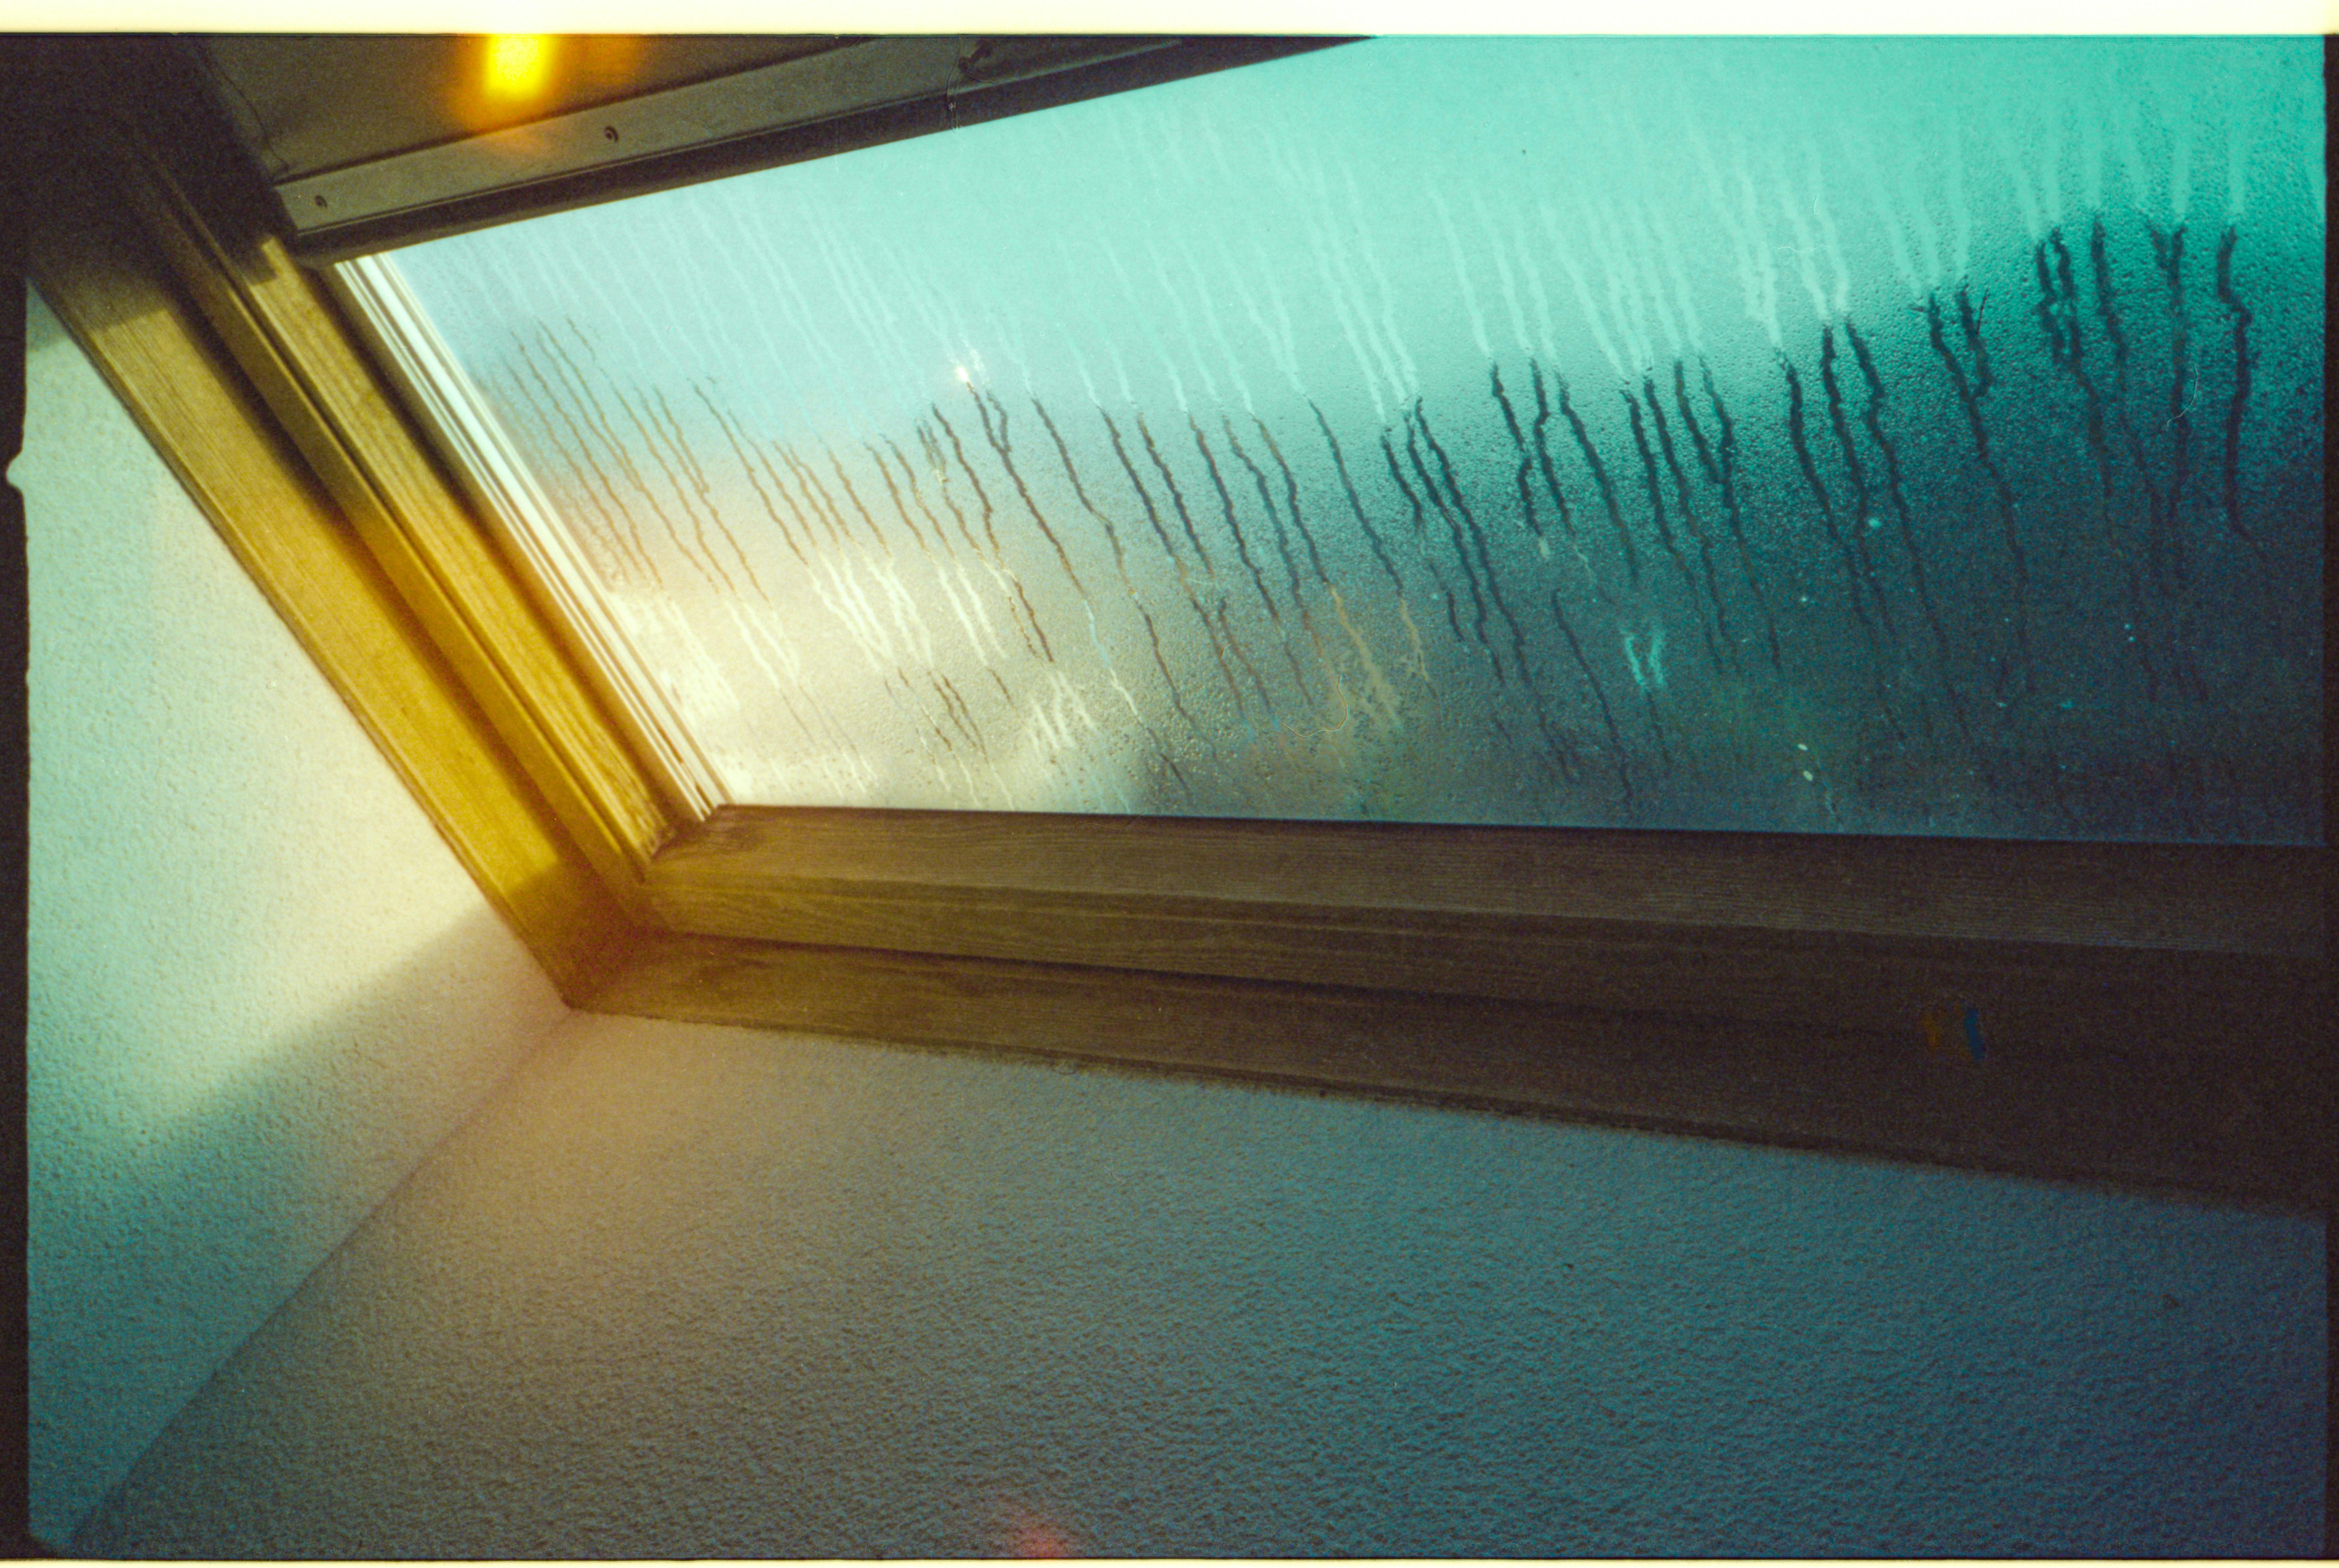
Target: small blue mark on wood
[1973, 1031]
[1934, 1022]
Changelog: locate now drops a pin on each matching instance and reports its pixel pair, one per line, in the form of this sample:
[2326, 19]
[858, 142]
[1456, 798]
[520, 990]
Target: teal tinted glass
[1878, 436]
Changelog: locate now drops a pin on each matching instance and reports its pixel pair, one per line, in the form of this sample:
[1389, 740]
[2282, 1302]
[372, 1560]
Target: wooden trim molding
[2209, 898]
[117, 297]
[2151, 1015]
[293, 350]
[2178, 949]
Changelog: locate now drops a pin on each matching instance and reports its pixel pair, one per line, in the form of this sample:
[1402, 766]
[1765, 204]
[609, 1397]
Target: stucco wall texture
[694, 1291]
[688, 1291]
[260, 985]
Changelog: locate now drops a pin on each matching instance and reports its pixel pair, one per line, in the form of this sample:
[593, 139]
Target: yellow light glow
[517, 65]
[963, 376]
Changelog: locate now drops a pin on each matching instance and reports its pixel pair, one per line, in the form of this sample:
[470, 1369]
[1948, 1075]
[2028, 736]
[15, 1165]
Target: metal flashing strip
[811, 107]
[856, 77]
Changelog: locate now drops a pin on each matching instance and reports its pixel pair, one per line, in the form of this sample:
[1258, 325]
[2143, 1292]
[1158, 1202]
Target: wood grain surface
[117, 297]
[2216, 898]
[2157, 949]
[286, 337]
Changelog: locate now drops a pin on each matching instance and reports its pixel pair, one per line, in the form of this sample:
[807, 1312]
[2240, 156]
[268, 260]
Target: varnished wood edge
[2144, 1001]
[119, 299]
[2172, 949]
[294, 350]
[2238, 1130]
[2264, 899]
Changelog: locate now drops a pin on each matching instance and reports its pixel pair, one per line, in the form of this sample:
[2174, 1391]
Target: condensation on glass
[1901, 436]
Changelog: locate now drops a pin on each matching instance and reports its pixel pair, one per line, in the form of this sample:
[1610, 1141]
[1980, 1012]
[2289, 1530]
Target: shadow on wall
[260, 989]
[682, 1290]
[182, 1187]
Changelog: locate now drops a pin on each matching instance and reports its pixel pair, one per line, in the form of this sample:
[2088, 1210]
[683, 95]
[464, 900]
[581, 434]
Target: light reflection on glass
[1881, 436]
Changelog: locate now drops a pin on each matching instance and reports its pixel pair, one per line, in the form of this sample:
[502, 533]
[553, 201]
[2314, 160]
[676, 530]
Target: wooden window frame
[2150, 1016]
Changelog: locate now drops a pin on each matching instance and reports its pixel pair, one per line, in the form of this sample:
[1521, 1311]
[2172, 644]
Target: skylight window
[1913, 437]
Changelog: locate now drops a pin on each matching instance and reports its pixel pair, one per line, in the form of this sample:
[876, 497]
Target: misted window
[1862, 436]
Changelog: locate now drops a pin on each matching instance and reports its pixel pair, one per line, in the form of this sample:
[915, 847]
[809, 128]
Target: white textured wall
[260, 987]
[684, 1291]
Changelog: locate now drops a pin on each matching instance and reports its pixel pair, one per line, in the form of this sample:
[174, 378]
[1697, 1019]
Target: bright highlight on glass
[1879, 436]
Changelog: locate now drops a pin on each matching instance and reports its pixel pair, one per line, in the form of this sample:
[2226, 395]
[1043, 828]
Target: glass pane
[1873, 436]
